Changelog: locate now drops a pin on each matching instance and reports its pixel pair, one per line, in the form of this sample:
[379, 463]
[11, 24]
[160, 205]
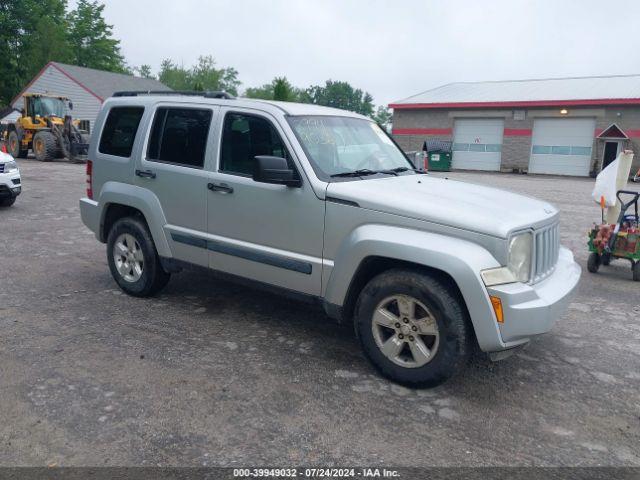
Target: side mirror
[275, 170]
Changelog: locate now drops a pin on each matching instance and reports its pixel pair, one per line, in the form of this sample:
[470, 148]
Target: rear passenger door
[270, 233]
[173, 165]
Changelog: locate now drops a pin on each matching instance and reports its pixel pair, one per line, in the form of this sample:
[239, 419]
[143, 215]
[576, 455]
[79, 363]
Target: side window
[119, 131]
[243, 138]
[179, 136]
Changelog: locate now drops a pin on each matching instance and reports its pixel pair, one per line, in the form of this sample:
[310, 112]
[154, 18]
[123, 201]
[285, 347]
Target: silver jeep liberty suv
[323, 203]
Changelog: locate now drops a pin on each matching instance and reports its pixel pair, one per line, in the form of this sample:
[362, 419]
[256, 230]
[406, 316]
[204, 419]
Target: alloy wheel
[128, 257]
[405, 331]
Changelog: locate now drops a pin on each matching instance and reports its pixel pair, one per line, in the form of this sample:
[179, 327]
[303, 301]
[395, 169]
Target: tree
[279, 89]
[91, 40]
[32, 32]
[340, 95]
[265, 92]
[382, 116]
[174, 76]
[144, 71]
[203, 76]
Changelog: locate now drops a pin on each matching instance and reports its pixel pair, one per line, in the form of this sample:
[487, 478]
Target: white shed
[85, 87]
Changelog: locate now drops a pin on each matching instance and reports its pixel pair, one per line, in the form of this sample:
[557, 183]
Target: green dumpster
[438, 153]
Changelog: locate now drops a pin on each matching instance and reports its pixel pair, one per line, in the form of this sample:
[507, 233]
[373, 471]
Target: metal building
[561, 126]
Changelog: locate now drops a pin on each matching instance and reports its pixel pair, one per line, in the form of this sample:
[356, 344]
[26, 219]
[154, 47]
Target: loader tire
[45, 146]
[14, 146]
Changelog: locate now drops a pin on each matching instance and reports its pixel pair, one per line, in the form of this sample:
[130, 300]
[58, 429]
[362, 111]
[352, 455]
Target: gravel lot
[210, 373]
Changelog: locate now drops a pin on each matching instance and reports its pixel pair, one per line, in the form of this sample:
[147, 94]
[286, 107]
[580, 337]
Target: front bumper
[10, 185]
[531, 310]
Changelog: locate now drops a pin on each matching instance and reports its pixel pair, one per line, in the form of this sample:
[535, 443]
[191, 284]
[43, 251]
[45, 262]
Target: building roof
[99, 83]
[605, 90]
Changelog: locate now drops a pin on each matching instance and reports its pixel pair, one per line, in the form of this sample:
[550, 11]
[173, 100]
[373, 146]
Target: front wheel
[133, 259]
[593, 262]
[412, 328]
[45, 147]
[7, 202]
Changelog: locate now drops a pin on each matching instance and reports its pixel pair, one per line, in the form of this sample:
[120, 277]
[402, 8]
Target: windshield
[47, 106]
[337, 145]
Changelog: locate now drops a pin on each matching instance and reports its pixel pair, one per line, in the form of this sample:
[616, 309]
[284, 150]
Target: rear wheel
[412, 328]
[593, 262]
[14, 146]
[133, 259]
[636, 271]
[45, 146]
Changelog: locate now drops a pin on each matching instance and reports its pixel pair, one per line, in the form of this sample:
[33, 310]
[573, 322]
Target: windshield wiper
[406, 169]
[358, 173]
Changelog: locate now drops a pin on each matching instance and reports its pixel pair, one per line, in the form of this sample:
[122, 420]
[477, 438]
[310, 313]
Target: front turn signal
[497, 308]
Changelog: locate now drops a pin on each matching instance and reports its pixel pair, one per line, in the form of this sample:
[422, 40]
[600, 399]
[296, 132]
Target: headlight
[518, 267]
[10, 166]
[519, 256]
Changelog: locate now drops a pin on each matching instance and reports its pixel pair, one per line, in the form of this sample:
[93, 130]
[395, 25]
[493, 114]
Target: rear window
[179, 136]
[120, 130]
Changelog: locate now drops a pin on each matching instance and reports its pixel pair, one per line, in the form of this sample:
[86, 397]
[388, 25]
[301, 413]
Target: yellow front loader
[46, 127]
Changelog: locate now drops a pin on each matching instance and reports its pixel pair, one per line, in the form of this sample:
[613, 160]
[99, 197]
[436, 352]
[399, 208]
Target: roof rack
[207, 94]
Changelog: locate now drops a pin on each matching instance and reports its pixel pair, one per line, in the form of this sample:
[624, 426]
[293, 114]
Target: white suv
[10, 183]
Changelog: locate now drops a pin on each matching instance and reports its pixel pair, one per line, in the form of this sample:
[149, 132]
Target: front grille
[545, 254]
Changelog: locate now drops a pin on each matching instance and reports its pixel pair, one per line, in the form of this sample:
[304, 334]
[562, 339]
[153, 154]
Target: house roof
[99, 83]
[605, 90]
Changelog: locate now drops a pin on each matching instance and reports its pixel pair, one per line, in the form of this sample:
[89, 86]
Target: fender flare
[461, 259]
[140, 199]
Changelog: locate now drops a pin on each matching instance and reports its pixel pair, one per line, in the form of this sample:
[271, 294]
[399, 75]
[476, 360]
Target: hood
[5, 157]
[448, 202]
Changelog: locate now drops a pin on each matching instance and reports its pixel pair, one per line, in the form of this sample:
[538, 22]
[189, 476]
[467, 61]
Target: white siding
[52, 81]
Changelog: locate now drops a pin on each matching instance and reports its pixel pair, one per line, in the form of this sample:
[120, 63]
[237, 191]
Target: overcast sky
[393, 49]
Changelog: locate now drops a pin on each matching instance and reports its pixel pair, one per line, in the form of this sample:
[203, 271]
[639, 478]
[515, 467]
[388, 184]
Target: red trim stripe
[633, 133]
[529, 103]
[517, 132]
[421, 131]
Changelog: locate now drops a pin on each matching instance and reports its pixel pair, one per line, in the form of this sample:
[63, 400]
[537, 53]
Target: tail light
[90, 179]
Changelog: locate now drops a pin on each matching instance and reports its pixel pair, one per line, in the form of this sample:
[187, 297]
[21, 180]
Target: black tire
[153, 278]
[7, 202]
[636, 272]
[14, 147]
[45, 146]
[593, 262]
[455, 340]
[605, 259]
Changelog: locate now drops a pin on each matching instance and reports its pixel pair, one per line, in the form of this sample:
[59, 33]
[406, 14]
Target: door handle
[146, 173]
[220, 187]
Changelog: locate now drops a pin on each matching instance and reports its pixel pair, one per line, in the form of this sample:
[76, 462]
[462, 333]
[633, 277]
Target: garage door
[562, 146]
[477, 144]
